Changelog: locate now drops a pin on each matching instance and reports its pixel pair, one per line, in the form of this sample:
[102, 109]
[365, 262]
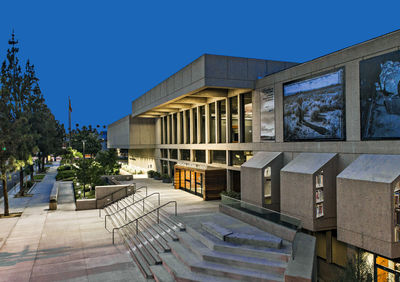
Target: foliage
[26, 124]
[64, 167]
[231, 194]
[88, 171]
[91, 138]
[70, 155]
[151, 173]
[109, 161]
[157, 175]
[357, 269]
[64, 174]
[38, 177]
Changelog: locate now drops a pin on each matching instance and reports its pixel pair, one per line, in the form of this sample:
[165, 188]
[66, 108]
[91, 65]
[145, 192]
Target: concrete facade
[218, 84]
[298, 190]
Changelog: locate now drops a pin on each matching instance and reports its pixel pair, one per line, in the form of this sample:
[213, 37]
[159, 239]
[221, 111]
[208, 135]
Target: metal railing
[110, 197]
[157, 209]
[134, 203]
[141, 187]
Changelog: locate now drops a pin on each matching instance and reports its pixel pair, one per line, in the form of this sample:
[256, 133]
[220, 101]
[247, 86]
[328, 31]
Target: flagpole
[69, 120]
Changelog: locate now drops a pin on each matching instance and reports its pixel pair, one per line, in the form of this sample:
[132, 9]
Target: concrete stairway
[165, 249]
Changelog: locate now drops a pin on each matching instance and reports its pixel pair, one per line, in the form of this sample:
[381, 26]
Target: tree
[70, 155]
[109, 161]
[91, 138]
[357, 269]
[88, 171]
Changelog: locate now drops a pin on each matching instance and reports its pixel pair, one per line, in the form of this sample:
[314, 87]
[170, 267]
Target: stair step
[169, 231]
[181, 272]
[160, 274]
[149, 248]
[153, 241]
[206, 254]
[217, 245]
[216, 230]
[140, 261]
[159, 239]
[162, 233]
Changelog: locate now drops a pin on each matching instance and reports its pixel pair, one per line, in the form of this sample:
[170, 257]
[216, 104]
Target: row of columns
[172, 127]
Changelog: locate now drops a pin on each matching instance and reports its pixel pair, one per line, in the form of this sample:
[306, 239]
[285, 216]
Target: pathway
[62, 245]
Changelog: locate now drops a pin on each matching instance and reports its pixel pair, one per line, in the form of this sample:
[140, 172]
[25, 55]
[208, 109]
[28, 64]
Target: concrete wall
[363, 220]
[142, 159]
[142, 132]
[118, 134]
[348, 58]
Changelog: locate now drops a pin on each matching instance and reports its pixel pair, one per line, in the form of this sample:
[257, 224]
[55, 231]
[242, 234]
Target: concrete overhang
[373, 168]
[308, 163]
[207, 77]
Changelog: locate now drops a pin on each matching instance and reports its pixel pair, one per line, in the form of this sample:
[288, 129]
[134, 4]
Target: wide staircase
[208, 247]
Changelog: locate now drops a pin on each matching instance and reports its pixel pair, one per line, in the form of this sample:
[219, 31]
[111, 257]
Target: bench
[53, 197]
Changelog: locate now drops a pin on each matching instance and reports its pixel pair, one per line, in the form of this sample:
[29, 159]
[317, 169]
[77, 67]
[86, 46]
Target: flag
[70, 108]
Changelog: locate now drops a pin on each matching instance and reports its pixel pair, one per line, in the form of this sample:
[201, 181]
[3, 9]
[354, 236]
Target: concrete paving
[62, 245]
[69, 245]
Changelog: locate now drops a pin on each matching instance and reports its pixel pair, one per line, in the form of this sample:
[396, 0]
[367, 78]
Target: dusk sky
[104, 54]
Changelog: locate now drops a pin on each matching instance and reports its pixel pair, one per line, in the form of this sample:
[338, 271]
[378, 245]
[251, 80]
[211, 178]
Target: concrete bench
[53, 197]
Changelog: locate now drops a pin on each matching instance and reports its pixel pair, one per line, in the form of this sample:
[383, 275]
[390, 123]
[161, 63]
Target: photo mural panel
[267, 114]
[379, 97]
[314, 108]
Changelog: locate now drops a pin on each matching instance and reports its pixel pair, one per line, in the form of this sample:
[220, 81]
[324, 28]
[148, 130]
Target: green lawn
[38, 177]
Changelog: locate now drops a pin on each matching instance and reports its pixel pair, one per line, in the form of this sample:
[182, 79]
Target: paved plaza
[69, 245]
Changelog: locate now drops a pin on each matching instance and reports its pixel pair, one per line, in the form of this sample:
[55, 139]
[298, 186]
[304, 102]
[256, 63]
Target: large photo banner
[313, 108]
[379, 97]
[267, 114]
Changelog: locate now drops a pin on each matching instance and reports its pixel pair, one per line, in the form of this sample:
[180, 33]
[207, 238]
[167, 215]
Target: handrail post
[143, 204]
[158, 215]
[113, 235]
[158, 198]
[137, 226]
[125, 213]
[176, 208]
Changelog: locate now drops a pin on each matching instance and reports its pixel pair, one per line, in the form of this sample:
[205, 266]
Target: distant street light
[84, 184]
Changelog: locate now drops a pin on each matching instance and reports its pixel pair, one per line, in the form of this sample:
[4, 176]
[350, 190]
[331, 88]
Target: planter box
[167, 180]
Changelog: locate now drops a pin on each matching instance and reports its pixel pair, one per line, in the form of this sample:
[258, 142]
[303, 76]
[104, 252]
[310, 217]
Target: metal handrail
[149, 212]
[125, 208]
[133, 195]
[112, 196]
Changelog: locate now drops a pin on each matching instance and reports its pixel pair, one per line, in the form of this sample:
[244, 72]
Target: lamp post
[84, 164]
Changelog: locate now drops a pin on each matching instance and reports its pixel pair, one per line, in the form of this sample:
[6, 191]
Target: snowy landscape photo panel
[267, 114]
[314, 108]
[379, 97]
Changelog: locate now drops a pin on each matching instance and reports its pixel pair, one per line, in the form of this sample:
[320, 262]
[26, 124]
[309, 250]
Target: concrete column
[208, 157]
[240, 119]
[191, 127]
[228, 180]
[168, 121]
[165, 130]
[178, 128]
[199, 125]
[207, 124]
[185, 133]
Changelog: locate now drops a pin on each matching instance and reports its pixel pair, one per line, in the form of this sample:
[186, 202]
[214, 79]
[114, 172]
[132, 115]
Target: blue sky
[104, 54]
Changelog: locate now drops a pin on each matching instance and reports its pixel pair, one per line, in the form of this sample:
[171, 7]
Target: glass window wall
[187, 137]
[234, 118]
[185, 155]
[194, 125]
[218, 156]
[202, 110]
[240, 157]
[222, 121]
[200, 156]
[247, 117]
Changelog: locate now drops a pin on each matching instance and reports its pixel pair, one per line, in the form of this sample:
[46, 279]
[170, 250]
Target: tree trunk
[32, 170]
[21, 181]
[43, 164]
[5, 195]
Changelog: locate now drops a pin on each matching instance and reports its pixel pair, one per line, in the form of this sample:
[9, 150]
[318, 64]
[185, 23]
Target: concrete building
[322, 134]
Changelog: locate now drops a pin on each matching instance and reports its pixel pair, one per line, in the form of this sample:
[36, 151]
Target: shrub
[64, 167]
[66, 174]
[157, 175]
[150, 173]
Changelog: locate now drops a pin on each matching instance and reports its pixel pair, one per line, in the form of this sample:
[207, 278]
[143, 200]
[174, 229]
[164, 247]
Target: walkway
[62, 245]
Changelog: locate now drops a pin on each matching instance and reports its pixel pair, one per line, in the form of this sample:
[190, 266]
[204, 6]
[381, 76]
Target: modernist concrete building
[305, 124]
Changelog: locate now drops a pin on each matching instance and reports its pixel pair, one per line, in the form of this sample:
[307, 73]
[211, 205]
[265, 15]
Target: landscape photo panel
[267, 114]
[314, 108]
[379, 97]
